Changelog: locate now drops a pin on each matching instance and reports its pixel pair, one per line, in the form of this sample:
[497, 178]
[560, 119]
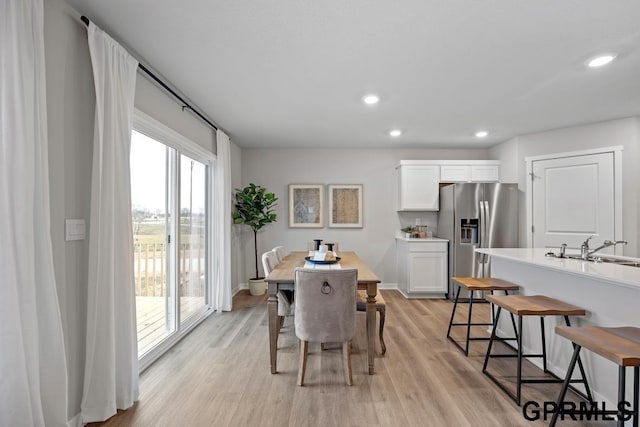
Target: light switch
[74, 229]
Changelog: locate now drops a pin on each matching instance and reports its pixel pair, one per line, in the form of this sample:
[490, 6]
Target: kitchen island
[610, 293]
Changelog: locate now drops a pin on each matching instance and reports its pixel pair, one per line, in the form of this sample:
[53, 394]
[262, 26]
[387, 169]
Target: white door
[573, 198]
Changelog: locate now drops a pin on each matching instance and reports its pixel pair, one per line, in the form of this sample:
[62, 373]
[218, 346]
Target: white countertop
[613, 273]
[422, 239]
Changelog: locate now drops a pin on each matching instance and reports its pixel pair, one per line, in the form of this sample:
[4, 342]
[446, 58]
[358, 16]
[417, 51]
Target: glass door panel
[150, 163]
[193, 237]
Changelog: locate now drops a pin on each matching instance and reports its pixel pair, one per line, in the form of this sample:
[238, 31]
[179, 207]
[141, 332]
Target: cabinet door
[485, 173]
[455, 173]
[419, 188]
[428, 272]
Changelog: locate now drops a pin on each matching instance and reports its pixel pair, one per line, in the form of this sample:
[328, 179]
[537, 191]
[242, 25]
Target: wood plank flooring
[219, 376]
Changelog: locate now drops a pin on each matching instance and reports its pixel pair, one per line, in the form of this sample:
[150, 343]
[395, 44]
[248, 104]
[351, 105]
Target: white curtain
[33, 372]
[111, 366]
[222, 203]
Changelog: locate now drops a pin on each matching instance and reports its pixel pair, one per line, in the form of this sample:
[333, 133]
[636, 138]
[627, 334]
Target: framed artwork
[345, 205]
[306, 208]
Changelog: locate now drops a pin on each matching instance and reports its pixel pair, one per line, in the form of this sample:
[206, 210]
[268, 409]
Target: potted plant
[408, 231]
[254, 207]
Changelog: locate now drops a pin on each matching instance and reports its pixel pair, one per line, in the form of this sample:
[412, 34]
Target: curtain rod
[185, 104]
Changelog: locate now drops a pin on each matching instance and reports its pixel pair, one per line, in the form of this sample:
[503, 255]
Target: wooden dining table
[282, 278]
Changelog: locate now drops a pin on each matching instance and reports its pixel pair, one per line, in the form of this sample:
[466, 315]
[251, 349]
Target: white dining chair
[280, 253]
[269, 262]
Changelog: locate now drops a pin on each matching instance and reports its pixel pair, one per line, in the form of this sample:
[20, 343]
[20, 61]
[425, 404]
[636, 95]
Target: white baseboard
[76, 421]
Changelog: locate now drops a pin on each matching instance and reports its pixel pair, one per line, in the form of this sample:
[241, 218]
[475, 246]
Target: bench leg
[519, 367]
[581, 367]
[621, 389]
[453, 312]
[565, 385]
[636, 391]
[493, 336]
[466, 348]
[383, 314]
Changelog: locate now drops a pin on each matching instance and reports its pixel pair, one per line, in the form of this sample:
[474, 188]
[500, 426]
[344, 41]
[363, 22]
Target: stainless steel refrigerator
[476, 216]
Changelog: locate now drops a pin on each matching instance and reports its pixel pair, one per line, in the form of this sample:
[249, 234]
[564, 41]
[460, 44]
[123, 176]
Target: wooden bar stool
[531, 305]
[619, 345]
[472, 284]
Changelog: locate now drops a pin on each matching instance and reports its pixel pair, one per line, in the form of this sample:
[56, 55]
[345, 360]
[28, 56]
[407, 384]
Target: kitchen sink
[607, 259]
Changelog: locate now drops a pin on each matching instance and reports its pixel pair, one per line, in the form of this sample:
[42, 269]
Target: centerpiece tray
[332, 261]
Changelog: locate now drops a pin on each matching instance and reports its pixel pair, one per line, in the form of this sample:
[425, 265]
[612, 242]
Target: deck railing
[150, 269]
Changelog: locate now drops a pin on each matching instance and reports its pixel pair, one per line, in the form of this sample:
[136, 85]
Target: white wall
[157, 104]
[70, 110]
[275, 169]
[625, 132]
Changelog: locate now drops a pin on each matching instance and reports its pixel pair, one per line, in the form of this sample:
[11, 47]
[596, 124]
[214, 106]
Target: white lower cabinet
[422, 267]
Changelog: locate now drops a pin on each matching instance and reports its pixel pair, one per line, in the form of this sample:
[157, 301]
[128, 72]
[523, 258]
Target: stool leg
[466, 348]
[544, 346]
[565, 384]
[493, 336]
[453, 312]
[581, 367]
[636, 386]
[519, 372]
[493, 309]
[621, 389]
[513, 320]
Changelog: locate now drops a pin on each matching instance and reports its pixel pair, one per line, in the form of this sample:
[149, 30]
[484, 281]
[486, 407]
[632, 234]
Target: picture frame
[345, 205]
[306, 205]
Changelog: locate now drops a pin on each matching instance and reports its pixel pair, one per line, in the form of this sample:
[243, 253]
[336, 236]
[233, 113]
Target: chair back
[269, 262]
[280, 253]
[325, 306]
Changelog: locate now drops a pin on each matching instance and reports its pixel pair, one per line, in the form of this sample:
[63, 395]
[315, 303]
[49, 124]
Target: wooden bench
[476, 284]
[619, 345]
[531, 305]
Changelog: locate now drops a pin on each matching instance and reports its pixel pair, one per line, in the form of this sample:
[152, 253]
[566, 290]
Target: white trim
[617, 179]
[600, 150]
[152, 128]
[448, 163]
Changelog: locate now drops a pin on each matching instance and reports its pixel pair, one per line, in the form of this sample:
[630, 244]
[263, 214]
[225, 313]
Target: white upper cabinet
[418, 186]
[419, 180]
[455, 173]
[470, 171]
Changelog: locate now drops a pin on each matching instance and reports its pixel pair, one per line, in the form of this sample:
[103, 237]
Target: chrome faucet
[605, 244]
[584, 248]
[563, 248]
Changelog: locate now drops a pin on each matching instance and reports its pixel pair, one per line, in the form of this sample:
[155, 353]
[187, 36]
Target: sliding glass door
[193, 237]
[170, 184]
[150, 207]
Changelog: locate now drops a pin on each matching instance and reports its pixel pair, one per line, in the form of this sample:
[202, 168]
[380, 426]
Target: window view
[193, 227]
[151, 220]
[170, 219]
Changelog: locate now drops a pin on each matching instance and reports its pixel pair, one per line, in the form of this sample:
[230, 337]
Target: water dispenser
[469, 231]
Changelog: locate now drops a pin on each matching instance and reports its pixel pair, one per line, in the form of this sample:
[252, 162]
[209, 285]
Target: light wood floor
[219, 376]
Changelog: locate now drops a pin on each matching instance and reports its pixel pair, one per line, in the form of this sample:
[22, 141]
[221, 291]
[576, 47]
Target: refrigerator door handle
[483, 220]
[487, 221]
[483, 224]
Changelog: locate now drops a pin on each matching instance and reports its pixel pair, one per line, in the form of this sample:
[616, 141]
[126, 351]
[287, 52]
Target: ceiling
[292, 73]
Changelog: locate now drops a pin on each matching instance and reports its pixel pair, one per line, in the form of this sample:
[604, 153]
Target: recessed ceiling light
[371, 99]
[395, 133]
[481, 134]
[601, 60]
